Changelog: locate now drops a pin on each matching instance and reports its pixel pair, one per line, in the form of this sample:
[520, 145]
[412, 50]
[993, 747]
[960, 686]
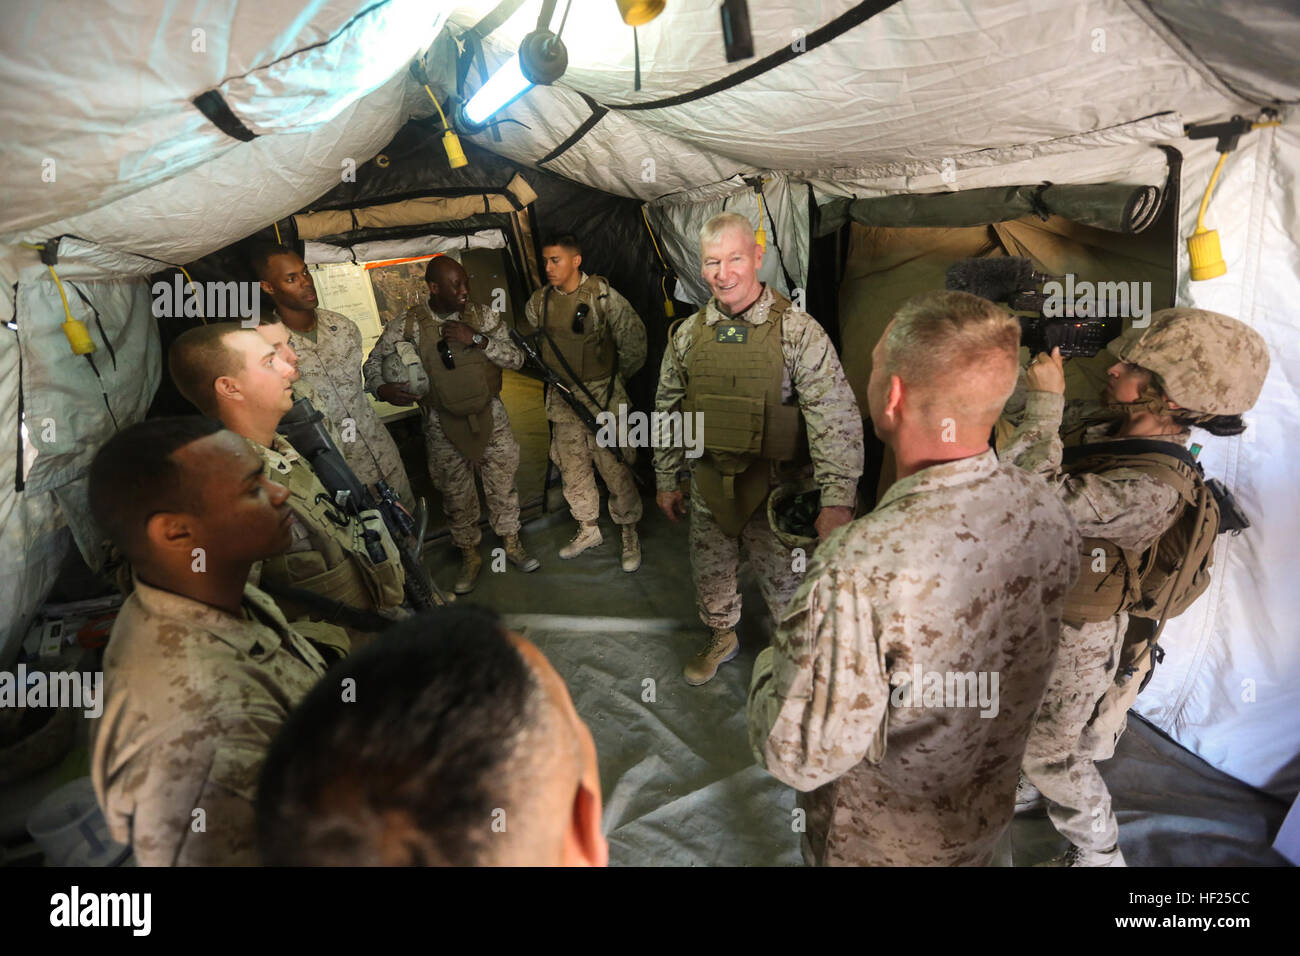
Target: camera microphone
[996, 278]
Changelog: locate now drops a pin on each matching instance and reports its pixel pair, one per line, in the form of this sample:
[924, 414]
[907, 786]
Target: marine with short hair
[770, 392]
[201, 667]
[467, 751]
[902, 681]
[328, 347]
[232, 373]
[592, 338]
[1126, 486]
[463, 346]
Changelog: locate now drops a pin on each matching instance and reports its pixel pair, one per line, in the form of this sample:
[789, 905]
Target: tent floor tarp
[679, 782]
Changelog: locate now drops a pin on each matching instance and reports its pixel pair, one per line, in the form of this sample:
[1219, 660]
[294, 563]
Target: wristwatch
[480, 340]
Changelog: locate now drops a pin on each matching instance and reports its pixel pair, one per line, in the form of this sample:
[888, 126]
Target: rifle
[549, 376]
[302, 425]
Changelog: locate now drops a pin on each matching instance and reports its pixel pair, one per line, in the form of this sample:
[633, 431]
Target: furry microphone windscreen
[995, 278]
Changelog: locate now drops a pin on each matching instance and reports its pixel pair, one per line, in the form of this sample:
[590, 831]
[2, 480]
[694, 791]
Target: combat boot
[723, 646]
[588, 537]
[517, 556]
[1028, 797]
[1078, 856]
[470, 565]
[631, 548]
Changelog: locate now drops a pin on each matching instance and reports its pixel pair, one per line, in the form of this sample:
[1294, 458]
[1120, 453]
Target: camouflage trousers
[574, 451]
[373, 455]
[1067, 740]
[453, 476]
[715, 565]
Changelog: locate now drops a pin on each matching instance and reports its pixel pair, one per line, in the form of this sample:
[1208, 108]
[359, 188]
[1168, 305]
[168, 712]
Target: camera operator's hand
[395, 395]
[1046, 373]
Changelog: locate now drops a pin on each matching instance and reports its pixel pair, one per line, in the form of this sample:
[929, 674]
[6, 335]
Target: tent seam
[347, 25]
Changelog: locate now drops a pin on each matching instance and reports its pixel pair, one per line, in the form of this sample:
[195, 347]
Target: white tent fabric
[1230, 686]
[677, 220]
[322, 252]
[1009, 91]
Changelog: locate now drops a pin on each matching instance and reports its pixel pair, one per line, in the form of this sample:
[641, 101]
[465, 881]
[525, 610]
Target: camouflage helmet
[791, 510]
[1208, 363]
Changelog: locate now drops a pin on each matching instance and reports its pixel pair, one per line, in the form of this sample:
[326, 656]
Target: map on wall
[397, 286]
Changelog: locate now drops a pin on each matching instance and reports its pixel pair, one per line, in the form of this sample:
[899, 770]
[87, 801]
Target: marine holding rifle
[1148, 519]
[593, 340]
[342, 564]
[459, 349]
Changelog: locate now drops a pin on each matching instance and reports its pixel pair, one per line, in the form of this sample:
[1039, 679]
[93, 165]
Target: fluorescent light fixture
[541, 60]
[504, 86]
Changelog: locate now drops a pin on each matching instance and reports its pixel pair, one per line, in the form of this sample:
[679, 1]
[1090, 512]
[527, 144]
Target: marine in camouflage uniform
[925, 584]
[466, 425]
[193, 696]
[609, 351]
[328, 555]
[329, 358]
[201, 667]
[328, 349]
[1206, 362]
[789, 362]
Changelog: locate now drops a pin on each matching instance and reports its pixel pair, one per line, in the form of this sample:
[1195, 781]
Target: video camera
[1013, 281]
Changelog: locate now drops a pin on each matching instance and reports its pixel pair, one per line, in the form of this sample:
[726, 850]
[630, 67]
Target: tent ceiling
[140, 168]
[920, 80]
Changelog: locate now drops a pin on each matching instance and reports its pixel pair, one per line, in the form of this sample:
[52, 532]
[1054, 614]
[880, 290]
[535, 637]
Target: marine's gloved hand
[672, 503]
[1046, 373]
[395, 395]
[828, 519]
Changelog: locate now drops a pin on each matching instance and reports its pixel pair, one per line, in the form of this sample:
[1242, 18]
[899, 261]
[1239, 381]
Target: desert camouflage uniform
[962, 567]
[573, 446]
[452, 473]
[814, 376]
[193, 696]
[1132, 509]
[332, 364]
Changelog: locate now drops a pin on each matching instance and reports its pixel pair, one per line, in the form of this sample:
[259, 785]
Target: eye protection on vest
[579, 314]
[444, 352]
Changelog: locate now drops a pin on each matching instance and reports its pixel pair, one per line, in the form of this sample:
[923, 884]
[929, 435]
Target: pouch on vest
[591, 353]
[1177, 571]
[466, 389]
[1174, 571]
[388, 579]
[734, 379]
[461, 395]
[1107, 583]
[344, 581]
[337, 566]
